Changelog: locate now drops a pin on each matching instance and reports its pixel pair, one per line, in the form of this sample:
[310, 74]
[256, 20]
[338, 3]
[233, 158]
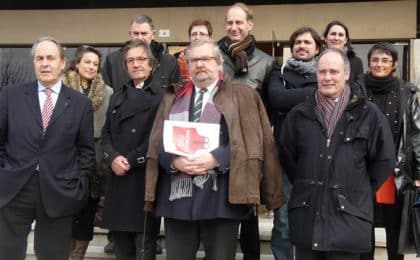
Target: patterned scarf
[331, 110]
[182, 183]
[239, 52]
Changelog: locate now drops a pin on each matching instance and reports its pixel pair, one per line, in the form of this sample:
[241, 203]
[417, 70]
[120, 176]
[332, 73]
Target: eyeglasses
[140, 60]
[205, 60]
[198, 34]
[383, 61]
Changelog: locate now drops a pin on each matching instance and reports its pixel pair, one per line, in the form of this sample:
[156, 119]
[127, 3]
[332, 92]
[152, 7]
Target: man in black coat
[46, 154]
[287, 87]
[336, 166]
[166, 71]
[125, 137]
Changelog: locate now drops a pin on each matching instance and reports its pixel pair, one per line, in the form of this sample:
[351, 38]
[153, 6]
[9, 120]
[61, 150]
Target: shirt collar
[54, 89]
[209, 88]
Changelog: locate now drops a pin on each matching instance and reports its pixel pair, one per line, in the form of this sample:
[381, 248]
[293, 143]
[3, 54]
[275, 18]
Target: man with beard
[287, 87]
[243, 62]
[167, 71]
[204, 196]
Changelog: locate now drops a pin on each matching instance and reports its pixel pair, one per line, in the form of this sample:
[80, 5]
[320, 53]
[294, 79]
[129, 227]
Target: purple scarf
[182, 183]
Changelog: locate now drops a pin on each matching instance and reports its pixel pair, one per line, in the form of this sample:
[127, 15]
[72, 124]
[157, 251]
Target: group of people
[317, 140]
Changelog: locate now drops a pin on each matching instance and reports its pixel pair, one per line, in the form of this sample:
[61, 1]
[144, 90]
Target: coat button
[321, 155]
[347, 139]
[342, 207]
[133, 130]
[315, 244]
[329, 157]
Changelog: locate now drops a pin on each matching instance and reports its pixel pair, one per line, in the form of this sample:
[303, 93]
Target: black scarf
[384, 93]
[381, 85]
[238, 52]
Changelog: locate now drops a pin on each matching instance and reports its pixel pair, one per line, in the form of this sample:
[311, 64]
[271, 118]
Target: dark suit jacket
[65, 154]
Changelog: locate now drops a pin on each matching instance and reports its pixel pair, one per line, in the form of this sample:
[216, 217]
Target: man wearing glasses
[204, 196]
[125, 137]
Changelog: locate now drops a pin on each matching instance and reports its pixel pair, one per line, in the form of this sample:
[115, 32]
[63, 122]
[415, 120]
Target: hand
[120, 165]
[417, 183]
[183, 164]
[203, 162]
[197, 164]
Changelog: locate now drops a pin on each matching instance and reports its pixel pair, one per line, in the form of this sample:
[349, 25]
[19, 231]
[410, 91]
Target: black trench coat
[126, 132]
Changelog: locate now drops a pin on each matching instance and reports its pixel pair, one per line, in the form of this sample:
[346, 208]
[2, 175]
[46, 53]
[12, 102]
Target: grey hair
[339, 52]
[47, 39]
[216, 50]
[143, 18]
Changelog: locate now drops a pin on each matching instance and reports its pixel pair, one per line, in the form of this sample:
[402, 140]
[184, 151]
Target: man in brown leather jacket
[204, 196]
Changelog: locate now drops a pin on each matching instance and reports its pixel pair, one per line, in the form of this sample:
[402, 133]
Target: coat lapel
[32, 101]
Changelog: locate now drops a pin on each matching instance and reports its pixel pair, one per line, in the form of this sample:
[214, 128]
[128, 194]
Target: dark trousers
[52, 235]
[250, 238]
[129, 245]
[219, 237]
[84, 220]
[388, 216]
[309, 254]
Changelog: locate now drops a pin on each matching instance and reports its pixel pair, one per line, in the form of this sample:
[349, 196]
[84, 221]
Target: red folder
[386, 193]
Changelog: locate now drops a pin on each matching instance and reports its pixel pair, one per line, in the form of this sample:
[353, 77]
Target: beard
[202, 76]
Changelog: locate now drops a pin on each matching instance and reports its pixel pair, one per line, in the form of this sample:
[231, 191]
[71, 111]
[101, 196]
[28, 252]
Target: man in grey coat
[243, 62]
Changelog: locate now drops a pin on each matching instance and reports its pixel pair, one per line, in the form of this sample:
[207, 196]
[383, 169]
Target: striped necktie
[47, 109]
[198, 106]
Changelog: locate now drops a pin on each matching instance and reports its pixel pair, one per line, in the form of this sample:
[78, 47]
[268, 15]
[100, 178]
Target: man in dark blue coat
[46, 153]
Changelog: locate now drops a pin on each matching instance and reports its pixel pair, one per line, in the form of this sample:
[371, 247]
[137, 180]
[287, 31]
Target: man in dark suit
[46, 152]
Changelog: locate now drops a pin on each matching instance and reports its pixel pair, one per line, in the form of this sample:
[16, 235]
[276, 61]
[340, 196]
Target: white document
[188, 138]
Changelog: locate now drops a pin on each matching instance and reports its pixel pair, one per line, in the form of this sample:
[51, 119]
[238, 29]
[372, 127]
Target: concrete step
[95, 249]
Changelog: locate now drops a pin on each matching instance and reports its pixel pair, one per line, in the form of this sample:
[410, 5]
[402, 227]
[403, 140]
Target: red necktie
[47, 109]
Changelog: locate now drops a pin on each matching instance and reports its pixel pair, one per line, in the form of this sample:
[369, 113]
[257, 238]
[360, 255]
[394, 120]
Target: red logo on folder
[187, 140]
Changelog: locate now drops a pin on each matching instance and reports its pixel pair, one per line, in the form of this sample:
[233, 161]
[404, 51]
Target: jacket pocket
[300, 218]
[350, 228]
